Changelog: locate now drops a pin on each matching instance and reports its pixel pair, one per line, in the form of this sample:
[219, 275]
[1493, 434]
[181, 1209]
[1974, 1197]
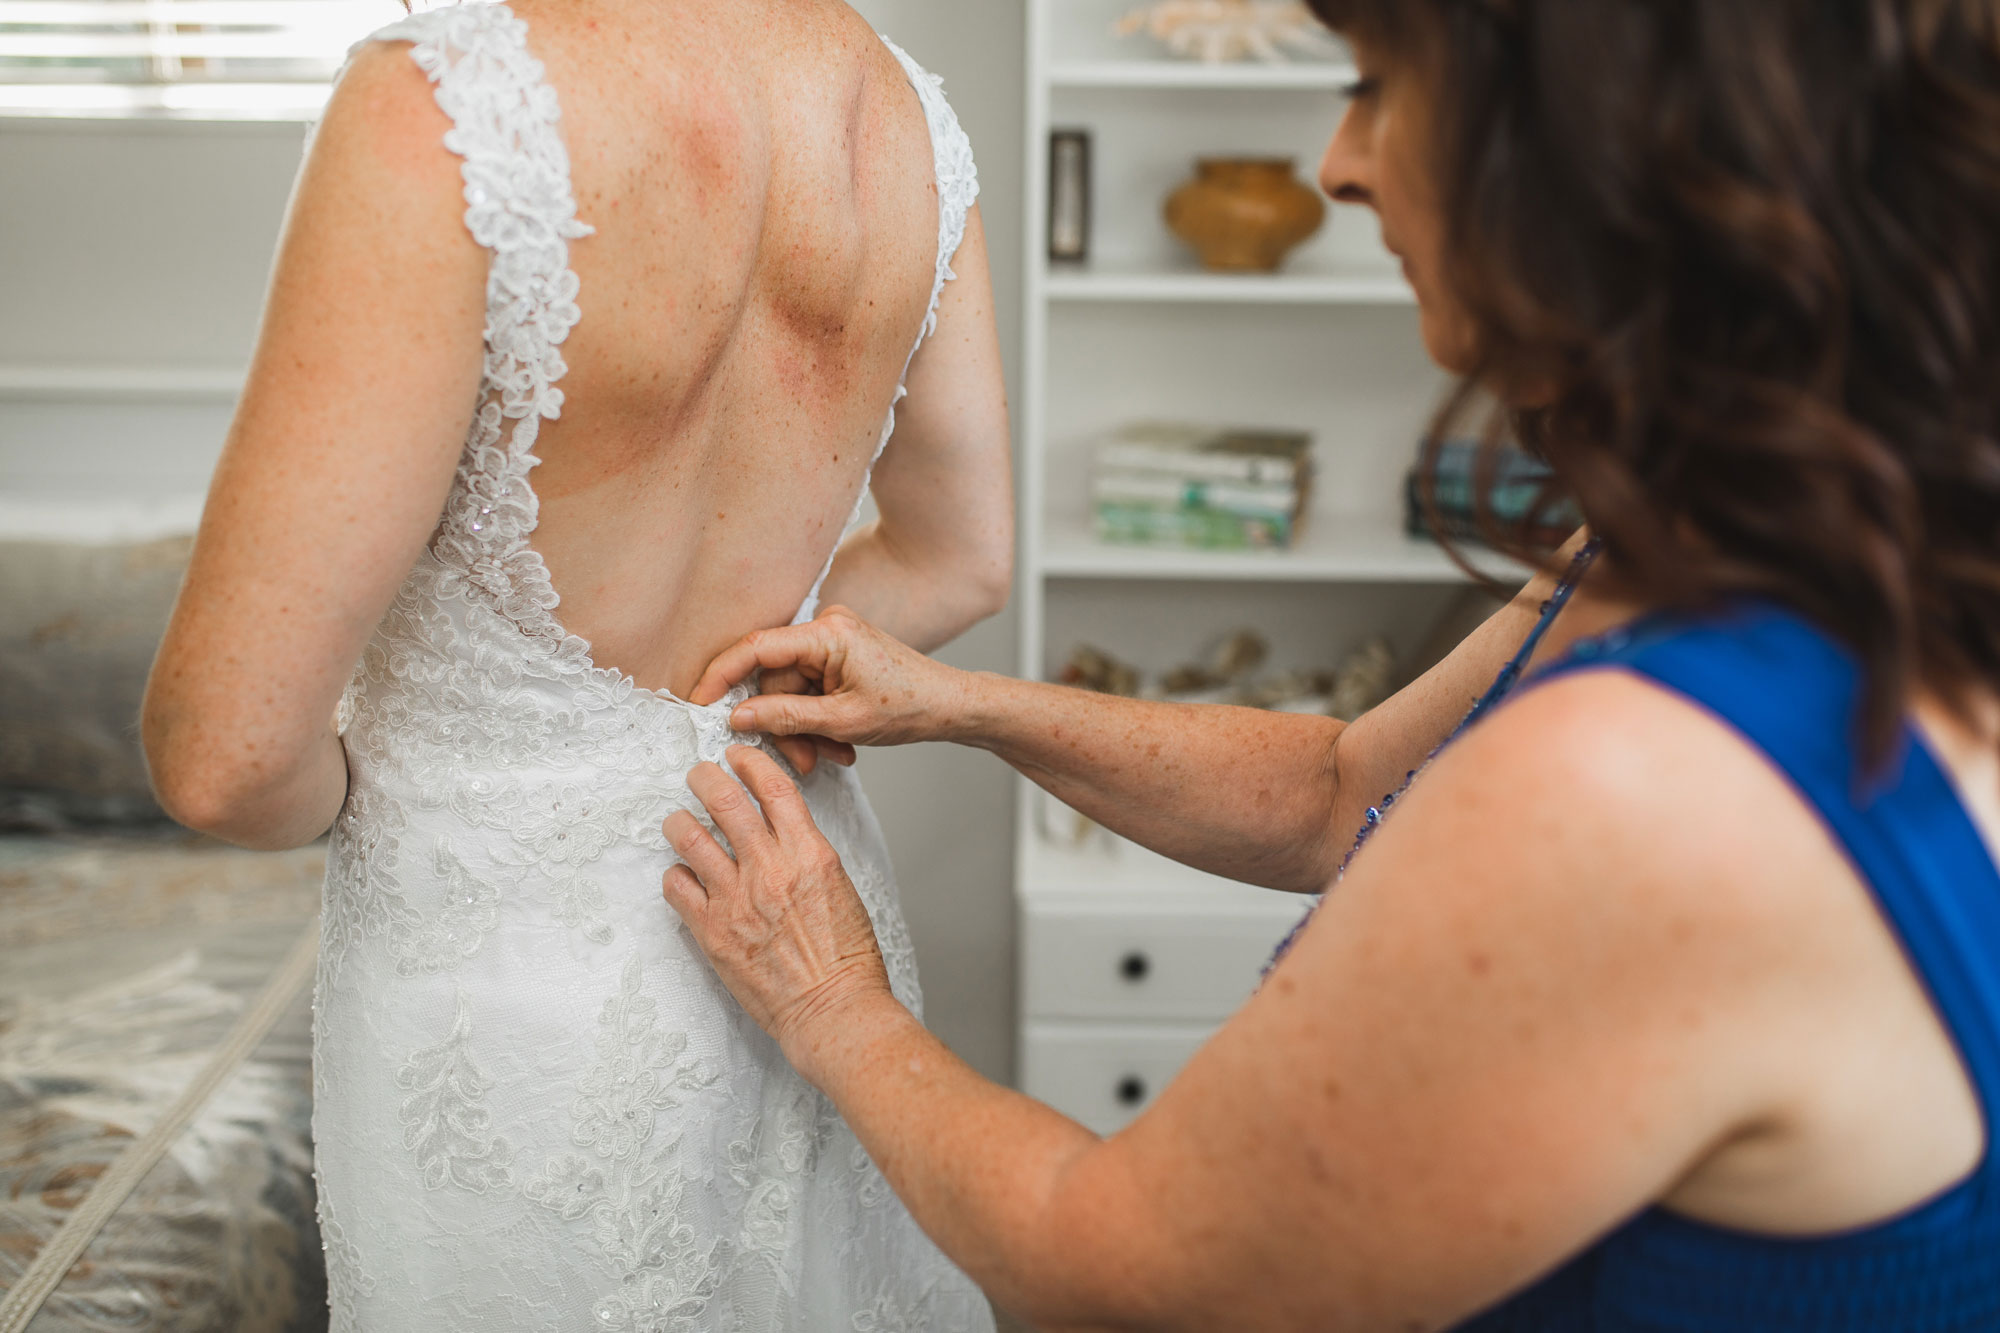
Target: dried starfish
[1222, 30]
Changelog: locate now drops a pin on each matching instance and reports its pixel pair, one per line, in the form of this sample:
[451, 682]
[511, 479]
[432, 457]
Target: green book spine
[1193, 527]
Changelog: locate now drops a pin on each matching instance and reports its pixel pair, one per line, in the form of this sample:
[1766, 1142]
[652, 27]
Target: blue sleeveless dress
[1791, 692]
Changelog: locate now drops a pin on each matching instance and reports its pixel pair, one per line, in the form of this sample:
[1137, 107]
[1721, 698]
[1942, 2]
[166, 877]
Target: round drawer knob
[1135, 966]
[1131, 1090]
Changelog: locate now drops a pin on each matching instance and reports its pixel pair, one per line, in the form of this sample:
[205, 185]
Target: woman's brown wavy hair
[1754, 246]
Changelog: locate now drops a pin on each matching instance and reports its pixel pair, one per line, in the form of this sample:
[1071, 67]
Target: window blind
[248, 59]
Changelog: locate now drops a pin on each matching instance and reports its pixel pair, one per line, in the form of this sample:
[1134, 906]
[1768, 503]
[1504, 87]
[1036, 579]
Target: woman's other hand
[872, 689]
[780, 921]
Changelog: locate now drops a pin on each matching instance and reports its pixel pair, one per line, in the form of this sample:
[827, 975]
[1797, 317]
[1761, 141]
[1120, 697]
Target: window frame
[283, 73]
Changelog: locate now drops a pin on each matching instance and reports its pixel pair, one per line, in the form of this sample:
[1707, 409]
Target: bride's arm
[335, 469]
[940, 558]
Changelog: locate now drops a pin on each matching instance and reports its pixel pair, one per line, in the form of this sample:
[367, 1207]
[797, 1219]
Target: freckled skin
[766, 234]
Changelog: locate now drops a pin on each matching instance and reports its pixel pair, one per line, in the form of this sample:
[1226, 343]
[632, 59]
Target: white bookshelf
[1331, 345]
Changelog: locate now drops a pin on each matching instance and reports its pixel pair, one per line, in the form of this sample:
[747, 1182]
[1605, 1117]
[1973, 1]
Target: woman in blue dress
[1666, 996]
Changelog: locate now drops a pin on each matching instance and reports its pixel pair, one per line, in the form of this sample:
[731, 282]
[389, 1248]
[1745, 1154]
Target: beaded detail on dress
[536, 1106]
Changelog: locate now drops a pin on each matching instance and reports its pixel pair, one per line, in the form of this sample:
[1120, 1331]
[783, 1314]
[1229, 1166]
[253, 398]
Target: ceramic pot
[1243, 215]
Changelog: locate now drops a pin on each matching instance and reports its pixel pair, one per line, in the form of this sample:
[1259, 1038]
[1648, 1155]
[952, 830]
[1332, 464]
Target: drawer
[1103, 1074]
[1083, 963]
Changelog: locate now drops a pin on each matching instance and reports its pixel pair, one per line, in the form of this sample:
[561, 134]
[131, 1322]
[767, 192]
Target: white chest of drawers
[1128, 964]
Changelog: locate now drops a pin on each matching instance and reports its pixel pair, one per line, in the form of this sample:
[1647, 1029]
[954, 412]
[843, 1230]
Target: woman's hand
[805, 752]
[780, 921]
[873, 690]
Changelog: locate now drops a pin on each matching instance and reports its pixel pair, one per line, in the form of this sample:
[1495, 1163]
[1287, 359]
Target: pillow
[79, 623]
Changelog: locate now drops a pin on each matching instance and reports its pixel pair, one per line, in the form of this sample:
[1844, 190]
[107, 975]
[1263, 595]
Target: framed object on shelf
[1069, 196]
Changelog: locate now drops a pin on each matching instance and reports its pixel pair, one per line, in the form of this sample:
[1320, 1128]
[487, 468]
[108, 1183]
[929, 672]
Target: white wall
[132, 265]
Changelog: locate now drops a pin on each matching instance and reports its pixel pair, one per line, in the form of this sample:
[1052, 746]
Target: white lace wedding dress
[536, 1106]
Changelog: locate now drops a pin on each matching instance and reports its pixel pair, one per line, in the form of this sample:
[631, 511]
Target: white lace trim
[520, 207]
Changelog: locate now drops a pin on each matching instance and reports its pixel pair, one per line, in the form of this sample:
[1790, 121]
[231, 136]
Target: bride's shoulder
[383, 116]
[396, 77]
[407, 85]
[378, 173]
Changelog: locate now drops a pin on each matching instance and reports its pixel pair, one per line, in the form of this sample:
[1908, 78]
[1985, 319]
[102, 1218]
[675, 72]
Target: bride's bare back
[762, 196]
[760, 178]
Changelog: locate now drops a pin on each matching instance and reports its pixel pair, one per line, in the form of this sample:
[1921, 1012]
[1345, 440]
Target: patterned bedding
[141, 976]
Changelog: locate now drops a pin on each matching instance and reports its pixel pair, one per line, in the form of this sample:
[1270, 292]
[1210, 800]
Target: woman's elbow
[195, 793]
[991, 581]
[231, 806]
[970, 580]
[989, 562]
[198, 788]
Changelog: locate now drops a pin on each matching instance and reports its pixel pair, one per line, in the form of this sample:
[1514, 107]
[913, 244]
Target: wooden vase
[1244, 215]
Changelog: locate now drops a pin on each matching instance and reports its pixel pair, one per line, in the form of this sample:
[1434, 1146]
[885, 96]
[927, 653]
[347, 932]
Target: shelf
[1333, 548]
[1298, 75]
[1352, 285]
[1113, 870]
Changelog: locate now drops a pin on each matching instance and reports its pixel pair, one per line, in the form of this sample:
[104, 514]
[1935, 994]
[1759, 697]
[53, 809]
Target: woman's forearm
[1268, 798]
[1238, 792]
[1001, 1182]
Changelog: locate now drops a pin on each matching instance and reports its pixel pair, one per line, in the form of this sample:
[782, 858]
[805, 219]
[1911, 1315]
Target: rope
[39, 1282]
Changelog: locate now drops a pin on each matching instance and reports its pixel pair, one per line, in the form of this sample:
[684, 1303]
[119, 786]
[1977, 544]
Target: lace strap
[520, 206]
[518, 200]
[957, 176]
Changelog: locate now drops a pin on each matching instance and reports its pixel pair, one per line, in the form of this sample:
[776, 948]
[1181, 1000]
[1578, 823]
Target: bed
[155, 989]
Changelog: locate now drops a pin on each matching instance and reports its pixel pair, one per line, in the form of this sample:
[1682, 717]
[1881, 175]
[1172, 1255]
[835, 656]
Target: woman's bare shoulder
[383, 123]
[1633, 786]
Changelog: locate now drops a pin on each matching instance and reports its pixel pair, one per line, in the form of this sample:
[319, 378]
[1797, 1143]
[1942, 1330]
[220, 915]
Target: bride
[589, 323]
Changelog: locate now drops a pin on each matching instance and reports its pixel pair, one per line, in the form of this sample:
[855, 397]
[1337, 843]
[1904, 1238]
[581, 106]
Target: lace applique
[471, 908]
[568, 1186]
[892, 934]
[347, 1280]
[639, 1074]
[362, 897]
[781, 1151]
[579, 904]
[477, 677]
[957, 175]
[888, 1312]
[444, 1124]
[669, 1277]
[636, 1201]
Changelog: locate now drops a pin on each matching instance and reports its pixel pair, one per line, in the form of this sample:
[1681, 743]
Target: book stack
[1518, 479]
[1165, 484]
